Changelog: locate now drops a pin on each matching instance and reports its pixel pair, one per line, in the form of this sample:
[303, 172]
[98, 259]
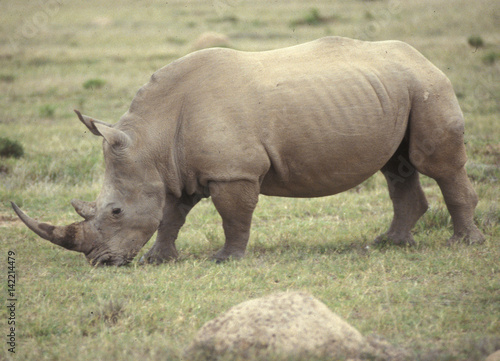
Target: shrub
[7, 78]
[94, 84]
[475, 41]
[176, 40]
[47, 111]
[369, 16]
[10, 148]
[225, 19]
[491, 58]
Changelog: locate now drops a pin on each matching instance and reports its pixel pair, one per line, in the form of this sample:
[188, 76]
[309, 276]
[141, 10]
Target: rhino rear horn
[70, 237]
[85, 209]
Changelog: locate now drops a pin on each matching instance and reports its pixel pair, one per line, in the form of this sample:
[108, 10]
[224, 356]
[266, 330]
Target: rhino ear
[115, 137]
[90, 122]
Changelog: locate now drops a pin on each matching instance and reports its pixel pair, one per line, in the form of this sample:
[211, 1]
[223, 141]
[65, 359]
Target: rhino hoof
[395, 239]
[225, 255]
[155, 259]
[471, 236]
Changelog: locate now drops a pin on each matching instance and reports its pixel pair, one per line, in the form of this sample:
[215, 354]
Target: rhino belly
[312, 173]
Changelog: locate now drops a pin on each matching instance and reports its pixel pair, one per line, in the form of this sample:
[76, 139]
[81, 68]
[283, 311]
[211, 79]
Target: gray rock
[292, 325]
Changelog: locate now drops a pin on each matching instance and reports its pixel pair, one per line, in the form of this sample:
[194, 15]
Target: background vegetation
[439, 302]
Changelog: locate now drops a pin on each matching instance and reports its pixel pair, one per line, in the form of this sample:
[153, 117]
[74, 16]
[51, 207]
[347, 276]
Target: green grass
[311, 17]
[439, 302]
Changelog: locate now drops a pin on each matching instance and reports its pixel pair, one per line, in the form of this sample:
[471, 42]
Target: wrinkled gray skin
[306, 121]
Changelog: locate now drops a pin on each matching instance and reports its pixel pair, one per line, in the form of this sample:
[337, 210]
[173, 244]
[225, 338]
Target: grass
[439, 302]
[312, 17]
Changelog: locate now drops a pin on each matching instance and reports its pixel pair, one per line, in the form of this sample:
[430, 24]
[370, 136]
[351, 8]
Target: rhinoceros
[309, 120]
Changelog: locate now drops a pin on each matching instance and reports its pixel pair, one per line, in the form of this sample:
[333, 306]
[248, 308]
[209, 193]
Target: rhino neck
[156, 142]
[158, 111]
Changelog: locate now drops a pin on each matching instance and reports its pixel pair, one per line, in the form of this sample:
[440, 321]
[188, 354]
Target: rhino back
[328, 113]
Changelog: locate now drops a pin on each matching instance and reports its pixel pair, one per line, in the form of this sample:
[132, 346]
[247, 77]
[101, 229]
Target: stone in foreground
[291, 326]
[494, 356]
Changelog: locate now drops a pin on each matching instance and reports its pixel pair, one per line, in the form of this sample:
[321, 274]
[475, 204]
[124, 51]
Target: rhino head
[127, 211]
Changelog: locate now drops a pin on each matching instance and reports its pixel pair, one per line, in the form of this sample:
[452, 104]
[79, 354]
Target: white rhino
[306, 121]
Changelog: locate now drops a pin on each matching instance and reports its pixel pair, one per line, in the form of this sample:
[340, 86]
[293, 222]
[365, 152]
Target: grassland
[439, 302]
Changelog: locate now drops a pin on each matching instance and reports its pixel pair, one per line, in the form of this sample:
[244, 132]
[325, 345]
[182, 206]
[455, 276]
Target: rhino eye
[116, 211]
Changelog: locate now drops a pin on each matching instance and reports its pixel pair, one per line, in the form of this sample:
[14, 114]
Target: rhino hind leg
[437, 149]
[235, 201]
[407, 197]
[461, 201]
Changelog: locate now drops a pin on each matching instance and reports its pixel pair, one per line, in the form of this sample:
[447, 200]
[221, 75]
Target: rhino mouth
[105, 258]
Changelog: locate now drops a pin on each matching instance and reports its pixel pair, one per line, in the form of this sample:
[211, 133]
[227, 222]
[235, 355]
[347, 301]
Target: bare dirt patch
[7, 220]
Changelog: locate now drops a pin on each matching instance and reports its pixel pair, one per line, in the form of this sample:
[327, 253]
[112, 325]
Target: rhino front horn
[70, 237]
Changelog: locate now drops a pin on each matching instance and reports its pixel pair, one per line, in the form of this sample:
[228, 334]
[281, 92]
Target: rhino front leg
[235, 202]
[174, 216]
